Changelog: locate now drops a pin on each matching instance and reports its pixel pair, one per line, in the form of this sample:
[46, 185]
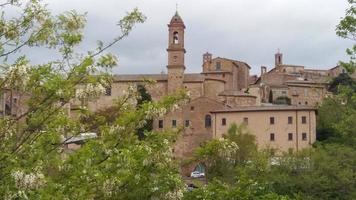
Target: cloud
[250, 31]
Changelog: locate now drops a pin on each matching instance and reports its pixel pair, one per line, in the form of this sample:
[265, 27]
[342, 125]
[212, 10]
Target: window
[175, 37]
[160, 123]
[218, 66]
[191, 108]
[187, 123]
[271, 120]
[284, 92]
[306, 103]
[290, 136]
[174, 123]
[290, 120]
[207, 121]
[271, 137]
[15, 100]
[304, 136]
[306, 92]
[304, 119]
[223, 121]
[108, 91]
[245, 120]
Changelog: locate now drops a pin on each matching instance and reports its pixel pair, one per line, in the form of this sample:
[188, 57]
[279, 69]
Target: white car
[197, 174]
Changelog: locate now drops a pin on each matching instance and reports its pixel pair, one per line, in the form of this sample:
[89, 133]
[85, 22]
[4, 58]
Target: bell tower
[176, 53]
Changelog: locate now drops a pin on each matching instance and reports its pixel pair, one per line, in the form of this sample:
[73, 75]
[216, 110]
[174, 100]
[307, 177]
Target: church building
[220, 96]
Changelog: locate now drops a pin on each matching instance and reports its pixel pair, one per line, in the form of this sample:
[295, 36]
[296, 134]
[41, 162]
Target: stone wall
[196, 89]
[195, 132]
[306, 95]
[243, 76]
[245, 100]
[212, 88]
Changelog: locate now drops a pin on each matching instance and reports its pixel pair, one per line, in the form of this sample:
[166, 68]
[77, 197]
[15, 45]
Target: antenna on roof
[176, 7]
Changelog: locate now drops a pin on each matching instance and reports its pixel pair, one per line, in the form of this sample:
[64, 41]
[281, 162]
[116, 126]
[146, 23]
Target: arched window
[207, 121]
[175, 37]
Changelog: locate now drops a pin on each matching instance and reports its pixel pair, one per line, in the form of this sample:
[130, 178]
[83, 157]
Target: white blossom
[175, 107]
[90, 90]
[174, 195]
[17, 73]
[31, 180]
[188, 94]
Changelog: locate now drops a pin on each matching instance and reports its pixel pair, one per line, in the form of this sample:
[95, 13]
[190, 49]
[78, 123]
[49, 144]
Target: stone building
[301, 85]
[284, 128]
[222, 94]
[223, 89]
[220, 85]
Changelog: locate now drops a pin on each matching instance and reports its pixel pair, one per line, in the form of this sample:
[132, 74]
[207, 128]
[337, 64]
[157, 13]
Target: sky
[245, 30]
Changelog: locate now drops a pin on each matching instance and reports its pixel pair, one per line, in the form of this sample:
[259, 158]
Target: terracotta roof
[287, 65]
[265, 108]
[176, 18]
[156, 77]
[306, 82]
[193, 78]
[278, 86]
[316, 70]
[236, 62]
[237, 93]
[139, 77]
[210, 99]
[334, 67]
[217, 72]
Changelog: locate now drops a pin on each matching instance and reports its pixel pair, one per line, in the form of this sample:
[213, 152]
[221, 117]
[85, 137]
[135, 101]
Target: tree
[232, 168]
[344, 80]
[244, 140]
[33, 161]
[222, 156]
[144, 97]
[325, 172]
[244, 190]
[339, 127]
[347, 29]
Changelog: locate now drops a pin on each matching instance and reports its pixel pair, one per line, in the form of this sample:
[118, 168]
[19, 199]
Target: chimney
[278, 58]
[207, 58]
[263, 70]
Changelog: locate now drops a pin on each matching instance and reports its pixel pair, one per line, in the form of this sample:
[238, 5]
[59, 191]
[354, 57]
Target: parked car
[197, 174]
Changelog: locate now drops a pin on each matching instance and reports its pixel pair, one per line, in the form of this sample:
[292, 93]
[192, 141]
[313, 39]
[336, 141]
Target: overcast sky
[246, 30]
